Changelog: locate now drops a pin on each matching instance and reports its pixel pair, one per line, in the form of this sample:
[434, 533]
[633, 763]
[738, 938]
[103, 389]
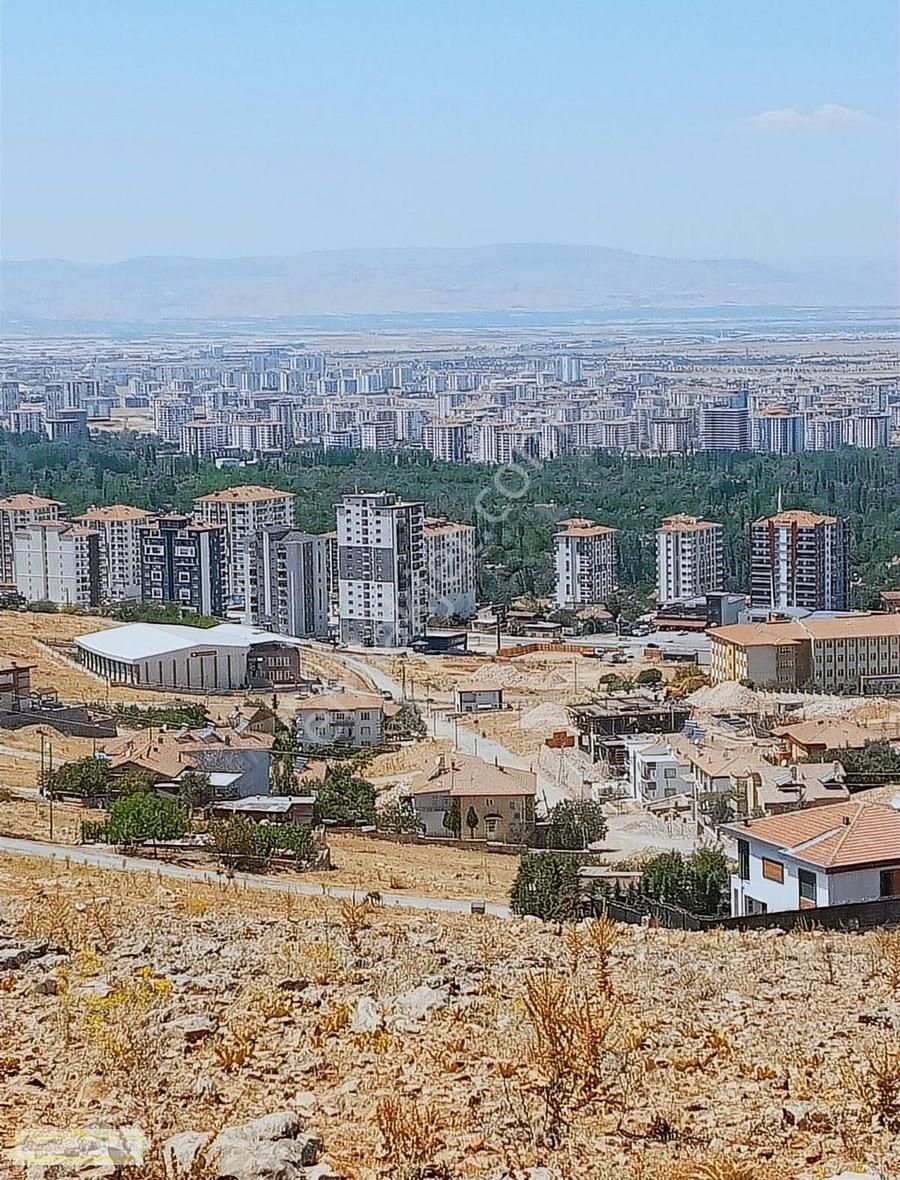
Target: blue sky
[692, 128]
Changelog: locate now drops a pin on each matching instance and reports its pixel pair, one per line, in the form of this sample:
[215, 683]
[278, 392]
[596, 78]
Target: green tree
[698, 882]
[86, 778]
[471, 821]
[194, 789]
[876, 764]
[141, 816]
[649, 678]
[575, 824]
[407, 724]
[132, 782]
[546, 886]
[345, 798]
[399, 818]
[241, 844]
[452, 820]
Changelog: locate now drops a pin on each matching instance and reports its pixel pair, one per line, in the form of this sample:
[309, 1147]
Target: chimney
[846, 821]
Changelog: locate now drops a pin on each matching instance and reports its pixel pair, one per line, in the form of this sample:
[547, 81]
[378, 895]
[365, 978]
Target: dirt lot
[526, 681]
[364, 863]
[30, 820]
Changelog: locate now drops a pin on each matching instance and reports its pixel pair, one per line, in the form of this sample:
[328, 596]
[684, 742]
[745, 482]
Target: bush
[546, 886]
[250, 847]
[344, 798]
[406, 723]
[143, 816]
[576, 824]
[176, 715]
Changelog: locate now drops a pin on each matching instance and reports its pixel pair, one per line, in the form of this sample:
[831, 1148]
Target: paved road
[465, 739]
[27, 755]
[103, 858]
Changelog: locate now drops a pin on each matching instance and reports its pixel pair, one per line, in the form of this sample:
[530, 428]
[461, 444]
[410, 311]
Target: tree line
[514, 512]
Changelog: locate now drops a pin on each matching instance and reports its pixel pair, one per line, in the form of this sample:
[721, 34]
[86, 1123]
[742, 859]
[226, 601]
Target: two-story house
[490, 802]
[819, 856]
[353, 719]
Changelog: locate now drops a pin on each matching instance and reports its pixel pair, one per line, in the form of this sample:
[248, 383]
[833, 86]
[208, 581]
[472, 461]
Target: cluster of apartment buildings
[798, 559]
[224, 403]
[386, 569]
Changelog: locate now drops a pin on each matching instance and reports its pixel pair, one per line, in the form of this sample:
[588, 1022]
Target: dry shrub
[875, 1083]
[115, 1027]
[721, 1167]
[571, 1032]
[355, 917]
[72, 925]
[410, 1136]
[233, 1047]
[886, 955]
[331, 1022]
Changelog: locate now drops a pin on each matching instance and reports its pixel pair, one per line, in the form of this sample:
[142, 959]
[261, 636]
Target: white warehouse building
[163, 655]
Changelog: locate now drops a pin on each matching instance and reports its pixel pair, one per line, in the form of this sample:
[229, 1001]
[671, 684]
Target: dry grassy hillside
[430, 1046]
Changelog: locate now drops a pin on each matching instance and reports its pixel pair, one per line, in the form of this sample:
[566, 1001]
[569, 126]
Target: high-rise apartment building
[17, 512]
[382, 582]
[447, 441]
[689, 558]
[119, 528]
[777, 432]
[724, 428]
[287, 581]
[800, 559]
[184, 563]
[450, 562]
[57, 561]
[243, 511]
[585, 563]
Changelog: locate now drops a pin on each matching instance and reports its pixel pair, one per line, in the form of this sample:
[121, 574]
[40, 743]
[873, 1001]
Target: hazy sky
[694, 128]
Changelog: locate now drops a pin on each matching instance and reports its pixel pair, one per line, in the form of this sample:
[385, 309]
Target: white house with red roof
[821, 856]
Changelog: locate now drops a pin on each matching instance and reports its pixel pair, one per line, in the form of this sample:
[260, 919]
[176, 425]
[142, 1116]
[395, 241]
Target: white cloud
[830, 116]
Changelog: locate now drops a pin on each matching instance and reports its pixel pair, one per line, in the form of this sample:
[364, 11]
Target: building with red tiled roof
[823, 856]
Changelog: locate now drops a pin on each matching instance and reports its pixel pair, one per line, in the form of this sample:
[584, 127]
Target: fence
[854, 916]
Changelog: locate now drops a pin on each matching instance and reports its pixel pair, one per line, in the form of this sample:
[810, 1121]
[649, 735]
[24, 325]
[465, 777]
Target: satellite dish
[895, 803]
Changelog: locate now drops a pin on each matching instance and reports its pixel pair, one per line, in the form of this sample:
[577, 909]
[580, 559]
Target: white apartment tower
[450, 560]
[585, 563]
[56, 561]
[243, 511]
[689, 558]
[18, 512]
[120, 549]
[382, 577]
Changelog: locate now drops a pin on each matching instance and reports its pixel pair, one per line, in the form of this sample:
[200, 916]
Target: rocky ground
[396, 1047]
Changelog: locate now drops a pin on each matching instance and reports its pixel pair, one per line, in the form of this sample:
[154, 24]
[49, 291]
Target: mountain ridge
[412, 280]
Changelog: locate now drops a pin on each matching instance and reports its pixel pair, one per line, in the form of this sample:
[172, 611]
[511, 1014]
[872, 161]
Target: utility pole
[50, 767]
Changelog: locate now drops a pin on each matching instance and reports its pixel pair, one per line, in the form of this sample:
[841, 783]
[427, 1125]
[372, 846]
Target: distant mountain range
[160, 291]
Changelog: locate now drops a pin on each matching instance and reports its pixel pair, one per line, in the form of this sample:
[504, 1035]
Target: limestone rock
[194, 1028]
[367, 1017]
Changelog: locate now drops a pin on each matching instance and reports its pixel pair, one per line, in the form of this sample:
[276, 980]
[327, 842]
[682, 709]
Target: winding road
[466, 740]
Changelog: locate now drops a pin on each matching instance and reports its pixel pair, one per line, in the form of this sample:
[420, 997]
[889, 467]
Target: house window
[773, 871]
[743, 860]
[890, 882]
[807, 888]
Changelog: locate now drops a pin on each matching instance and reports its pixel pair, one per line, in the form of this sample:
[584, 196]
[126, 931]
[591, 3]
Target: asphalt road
[103, 858]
